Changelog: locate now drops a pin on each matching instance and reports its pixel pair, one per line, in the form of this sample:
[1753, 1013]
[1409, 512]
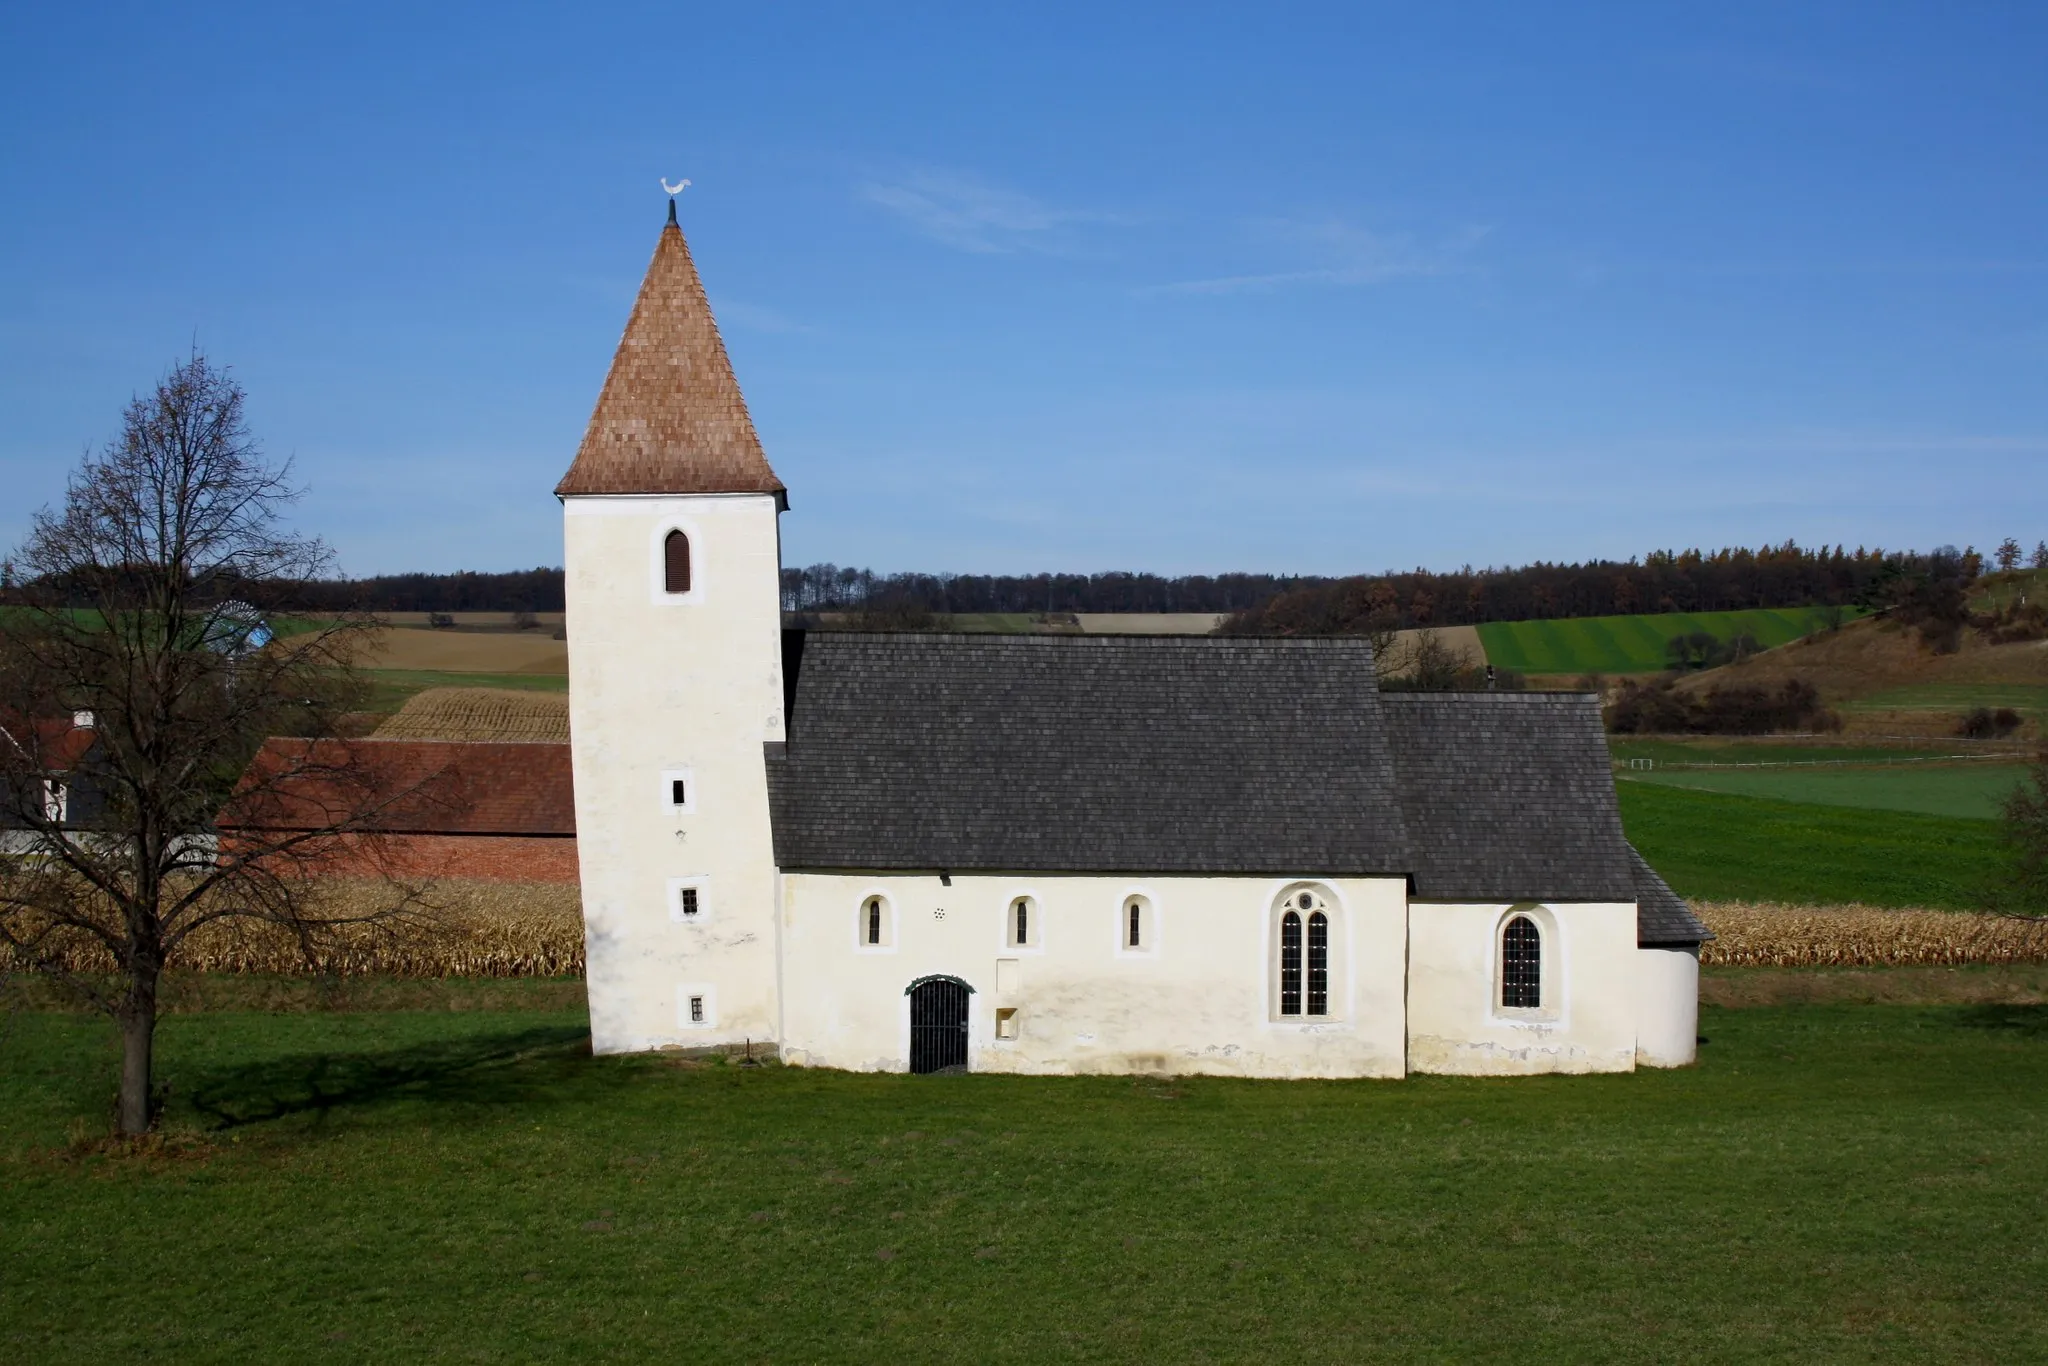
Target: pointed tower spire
[670, 418]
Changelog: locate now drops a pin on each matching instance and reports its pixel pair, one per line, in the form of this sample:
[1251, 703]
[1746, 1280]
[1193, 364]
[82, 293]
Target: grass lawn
[1956, 697]
[389, 688]
[1973, 790]
[1789, 750]
[1729, 848]
[1631, 644]
[1830, 1183]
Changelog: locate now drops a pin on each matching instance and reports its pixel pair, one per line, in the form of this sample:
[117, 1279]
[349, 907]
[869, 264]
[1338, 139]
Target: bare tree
[134, 643]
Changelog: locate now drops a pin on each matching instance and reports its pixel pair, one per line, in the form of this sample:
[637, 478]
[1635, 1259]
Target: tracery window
[1521, 959]
[675, 562]
[1303, 988]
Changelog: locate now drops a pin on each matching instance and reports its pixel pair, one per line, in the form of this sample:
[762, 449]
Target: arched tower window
[872, 929]
[1136, 913]
[1521, 959]
[675, 562]
[1290, 964]
[1022, 928]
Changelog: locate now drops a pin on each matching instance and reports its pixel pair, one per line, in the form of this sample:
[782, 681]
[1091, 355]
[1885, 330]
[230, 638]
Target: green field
[1668, 749]
[1830, 1183]
[1958, 697]
[1973, 790]
[1632, 644]
[1728, 848]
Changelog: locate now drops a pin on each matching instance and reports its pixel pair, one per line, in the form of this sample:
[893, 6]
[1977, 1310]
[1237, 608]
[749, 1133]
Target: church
[1055, 853]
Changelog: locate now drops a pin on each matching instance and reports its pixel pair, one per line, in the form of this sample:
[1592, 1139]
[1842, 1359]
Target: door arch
[938, 1023]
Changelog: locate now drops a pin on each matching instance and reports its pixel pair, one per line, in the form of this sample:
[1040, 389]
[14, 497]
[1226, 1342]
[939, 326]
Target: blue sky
[1180, 288]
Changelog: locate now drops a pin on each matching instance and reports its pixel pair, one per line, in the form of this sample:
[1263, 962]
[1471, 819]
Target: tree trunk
[138, 1044]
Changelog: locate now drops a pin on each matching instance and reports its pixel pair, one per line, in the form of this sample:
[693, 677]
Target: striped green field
[1633, 644]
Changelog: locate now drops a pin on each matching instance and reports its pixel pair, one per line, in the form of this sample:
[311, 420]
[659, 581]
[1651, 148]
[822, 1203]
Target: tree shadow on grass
[542, 1065]
[2031, 1021]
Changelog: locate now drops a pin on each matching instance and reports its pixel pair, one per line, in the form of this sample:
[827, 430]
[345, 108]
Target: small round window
[1305, 901]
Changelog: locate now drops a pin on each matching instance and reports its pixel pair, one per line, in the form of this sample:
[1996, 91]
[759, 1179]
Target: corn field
[467, 929]
[1770, 935]
[494, 929]
[480, 714]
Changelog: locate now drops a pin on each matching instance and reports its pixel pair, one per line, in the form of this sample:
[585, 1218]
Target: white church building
[1055, 853]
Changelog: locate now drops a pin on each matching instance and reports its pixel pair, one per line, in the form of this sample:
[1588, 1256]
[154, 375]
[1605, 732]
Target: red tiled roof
[443, 787]
[53, 742]
[670, 418]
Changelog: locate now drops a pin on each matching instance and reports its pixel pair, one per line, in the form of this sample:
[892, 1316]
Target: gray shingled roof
[1191, 754]
[1508, 796]
[1661, 918]
[1164, 754]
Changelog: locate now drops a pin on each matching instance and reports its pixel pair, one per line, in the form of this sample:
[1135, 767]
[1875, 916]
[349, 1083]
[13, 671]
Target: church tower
[670, 540]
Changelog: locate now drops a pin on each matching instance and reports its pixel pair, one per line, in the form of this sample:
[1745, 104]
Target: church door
[938, 1024]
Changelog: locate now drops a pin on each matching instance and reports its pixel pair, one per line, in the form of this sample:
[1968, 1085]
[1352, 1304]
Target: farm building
[1055, 853]
[489, 811]
[53, 782]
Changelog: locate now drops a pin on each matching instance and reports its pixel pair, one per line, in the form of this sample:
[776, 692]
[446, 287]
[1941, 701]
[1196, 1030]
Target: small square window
[689, 906]
[1006, 1022]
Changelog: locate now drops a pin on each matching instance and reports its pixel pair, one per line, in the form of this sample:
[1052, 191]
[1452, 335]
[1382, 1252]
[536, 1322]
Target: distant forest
[1788, 575]
[1663, 581]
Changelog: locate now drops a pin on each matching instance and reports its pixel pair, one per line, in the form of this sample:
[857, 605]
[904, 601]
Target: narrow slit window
[675, 562]
[1022, 911]
[1318, 964]
[1290, 964]
[678, 792]
[1137, 930]
[874, 929]
[1521, 976]
[689, 903]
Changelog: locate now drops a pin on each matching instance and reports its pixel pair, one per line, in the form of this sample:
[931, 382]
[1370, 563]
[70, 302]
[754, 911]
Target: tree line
[1788, 575]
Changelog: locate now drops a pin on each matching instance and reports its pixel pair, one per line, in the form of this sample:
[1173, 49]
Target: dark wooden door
[938, 1025]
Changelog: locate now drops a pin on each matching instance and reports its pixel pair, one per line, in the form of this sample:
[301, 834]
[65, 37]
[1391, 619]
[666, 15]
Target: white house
[1055, 854]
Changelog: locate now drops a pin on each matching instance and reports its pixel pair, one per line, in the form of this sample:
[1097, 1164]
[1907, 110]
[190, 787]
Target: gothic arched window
[675, 562]
[1303, 927]
[1521, 965]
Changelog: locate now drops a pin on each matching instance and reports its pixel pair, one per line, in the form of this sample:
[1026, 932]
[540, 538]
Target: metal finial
[673, 191]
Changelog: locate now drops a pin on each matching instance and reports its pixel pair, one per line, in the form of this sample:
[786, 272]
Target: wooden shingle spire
[670, 418]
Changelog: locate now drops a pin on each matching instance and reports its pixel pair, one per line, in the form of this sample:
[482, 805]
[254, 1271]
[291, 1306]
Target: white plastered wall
[1668, 1006]
[1197, 999]
[660, 684]
[1455, 1020]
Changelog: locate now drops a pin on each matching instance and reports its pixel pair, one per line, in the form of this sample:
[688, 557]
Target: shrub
[1982, 723]
[1658, 708]
[441, 621]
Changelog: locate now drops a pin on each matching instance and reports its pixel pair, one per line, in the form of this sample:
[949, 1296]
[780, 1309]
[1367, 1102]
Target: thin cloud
[1344, 255]
[972, 215]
